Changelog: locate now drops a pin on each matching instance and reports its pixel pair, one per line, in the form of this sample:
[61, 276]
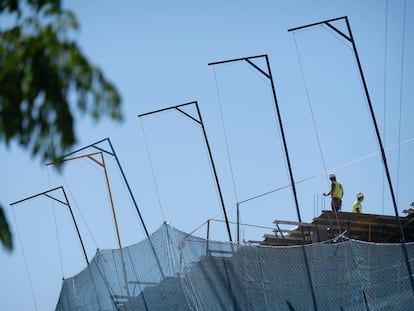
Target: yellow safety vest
[339, 192]
[356, 205]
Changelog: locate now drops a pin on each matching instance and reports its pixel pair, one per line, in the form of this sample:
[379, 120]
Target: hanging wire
[316, 130]
[126, 191]
[365, 100]
[345, 43]
[385, 98]
[341, 166]
[25, 260]
[225, 138]
[225, 134]
[210, 164]
[275, 115]
[266, 81]
[56, 227]
[309, 104]
[152, 170]
[401, 89]
[322, 203]
[93, 165]
[80, 211]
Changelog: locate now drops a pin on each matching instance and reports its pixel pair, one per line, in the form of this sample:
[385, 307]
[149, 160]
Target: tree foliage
[44, 81]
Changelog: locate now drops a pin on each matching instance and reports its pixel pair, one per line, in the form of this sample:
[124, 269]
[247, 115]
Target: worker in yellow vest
[357, 207]
[336, 193]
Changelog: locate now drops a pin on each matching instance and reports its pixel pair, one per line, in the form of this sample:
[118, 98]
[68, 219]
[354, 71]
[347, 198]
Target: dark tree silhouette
[44, 80]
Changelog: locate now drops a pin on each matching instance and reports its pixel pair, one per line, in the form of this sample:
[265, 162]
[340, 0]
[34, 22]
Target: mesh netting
[176, 271]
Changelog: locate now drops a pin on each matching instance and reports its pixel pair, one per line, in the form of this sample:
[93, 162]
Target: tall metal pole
[377, 132]
[113, 153]
[374, 121]
[214, 171]
[200, 122]
[268, 74]
[282, 132]
[238, 222]
[116, 225]
[76, 226]
[292, 181]
[384, 158]
[45, 193]
[110, 196]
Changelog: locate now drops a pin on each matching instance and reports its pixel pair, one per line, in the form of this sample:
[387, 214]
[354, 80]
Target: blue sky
[157, 54]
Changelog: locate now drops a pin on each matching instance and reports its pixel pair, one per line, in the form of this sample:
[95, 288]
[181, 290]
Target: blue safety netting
[175, 271]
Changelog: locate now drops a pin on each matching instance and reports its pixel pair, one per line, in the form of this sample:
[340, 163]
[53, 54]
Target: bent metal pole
[268, 74]
[200, 122]
[112, 153]
[350, 38]
[47, 194]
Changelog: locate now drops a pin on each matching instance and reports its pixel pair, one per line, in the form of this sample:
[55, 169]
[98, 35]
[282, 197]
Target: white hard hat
[332, 175]
[359, 195]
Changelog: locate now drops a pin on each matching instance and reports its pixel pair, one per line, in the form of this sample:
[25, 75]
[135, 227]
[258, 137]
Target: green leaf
[44, 79]
[5, 234]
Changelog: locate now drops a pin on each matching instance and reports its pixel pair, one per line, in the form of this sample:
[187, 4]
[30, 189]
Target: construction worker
[336, 193]
[357, 207]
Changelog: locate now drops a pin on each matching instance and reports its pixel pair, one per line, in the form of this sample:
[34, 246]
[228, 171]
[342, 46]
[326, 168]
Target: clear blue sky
[156, 53]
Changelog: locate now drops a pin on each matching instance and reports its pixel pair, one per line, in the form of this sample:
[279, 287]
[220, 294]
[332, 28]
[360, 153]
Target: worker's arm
[332, 190]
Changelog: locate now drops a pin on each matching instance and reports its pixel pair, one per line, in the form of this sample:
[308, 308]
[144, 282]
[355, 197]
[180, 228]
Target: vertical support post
[292, 181]
[208, 229]
[114, 216]
[208, 236]
[374, 121]
[282, 133]
[238, 222]
[76, 226]
[384, 158]
[215, 172]
[110, 199]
